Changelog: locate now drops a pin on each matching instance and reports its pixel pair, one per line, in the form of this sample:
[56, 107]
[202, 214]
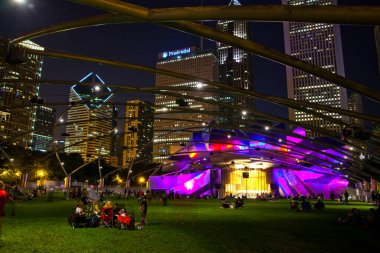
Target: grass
[188, 226]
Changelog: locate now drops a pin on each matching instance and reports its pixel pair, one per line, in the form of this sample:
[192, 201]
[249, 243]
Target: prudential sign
[174, 53]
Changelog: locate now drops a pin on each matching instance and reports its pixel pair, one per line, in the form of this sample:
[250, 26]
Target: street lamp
[141, 181]
[118, 179]
[41, 174]
[19, 1]
[18, 174]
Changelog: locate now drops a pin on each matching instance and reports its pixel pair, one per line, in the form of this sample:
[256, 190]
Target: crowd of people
[91, 211]
[354, 217]
[305, 204]
[231, 201]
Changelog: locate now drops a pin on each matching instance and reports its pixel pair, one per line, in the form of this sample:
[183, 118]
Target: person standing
[374, 197]
[171, 195]
[4, 198]
[346, 195]
[143, 210]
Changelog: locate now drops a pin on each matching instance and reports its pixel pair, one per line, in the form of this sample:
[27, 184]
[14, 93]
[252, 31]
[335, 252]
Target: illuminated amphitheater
[254, 162]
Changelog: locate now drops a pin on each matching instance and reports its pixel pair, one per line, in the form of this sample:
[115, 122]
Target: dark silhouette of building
[235, 70]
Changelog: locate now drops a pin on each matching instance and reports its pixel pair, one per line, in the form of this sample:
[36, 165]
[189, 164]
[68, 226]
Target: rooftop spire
[234, 2]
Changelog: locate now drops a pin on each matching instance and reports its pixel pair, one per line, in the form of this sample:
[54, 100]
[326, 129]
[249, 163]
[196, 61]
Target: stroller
[126, 220]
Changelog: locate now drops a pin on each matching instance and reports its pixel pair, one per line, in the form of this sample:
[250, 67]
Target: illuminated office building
[167, 134]
[89, 127]
[43, 128]
[138, 145]
[234, 70]
[116, 143]
[355, 104]
[318, 44]
[17, 115]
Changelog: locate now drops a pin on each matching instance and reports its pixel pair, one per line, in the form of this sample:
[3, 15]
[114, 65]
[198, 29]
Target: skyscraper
[235, 69]
[318, 44]
[89, 124]
[138, 145]
[17, 114]
[116, 143]
[43, 128]
[355, 104]
[168, 134]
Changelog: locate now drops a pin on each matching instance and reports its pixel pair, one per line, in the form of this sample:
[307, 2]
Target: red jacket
[4, 197]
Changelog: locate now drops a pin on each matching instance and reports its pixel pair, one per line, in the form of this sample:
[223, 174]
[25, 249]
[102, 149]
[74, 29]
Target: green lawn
[189, 226]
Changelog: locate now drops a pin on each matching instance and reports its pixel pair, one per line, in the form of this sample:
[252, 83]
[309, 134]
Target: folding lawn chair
[106, 217]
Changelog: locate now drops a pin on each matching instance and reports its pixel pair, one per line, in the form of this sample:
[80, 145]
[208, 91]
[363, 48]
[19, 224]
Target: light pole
[41, 174]
[246, 176]
[141, 181]
[18, 174]
[21, 2]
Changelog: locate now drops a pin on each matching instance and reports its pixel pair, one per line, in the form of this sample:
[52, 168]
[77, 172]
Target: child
[143, 210]
[123, 218]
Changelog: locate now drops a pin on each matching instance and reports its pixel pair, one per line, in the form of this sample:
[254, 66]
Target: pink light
[189, 185]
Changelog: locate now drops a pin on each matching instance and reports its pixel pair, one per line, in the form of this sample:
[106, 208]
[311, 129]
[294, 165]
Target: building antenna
[201, 38]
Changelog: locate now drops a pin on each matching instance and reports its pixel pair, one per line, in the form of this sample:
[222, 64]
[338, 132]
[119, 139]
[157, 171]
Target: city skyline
[269, 77]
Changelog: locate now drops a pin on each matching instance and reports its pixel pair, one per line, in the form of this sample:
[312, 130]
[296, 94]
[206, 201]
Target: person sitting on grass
[79, 210]
[294, 205]
[319, 204]
[123, 218]
[96, 208]
[376, 218]
[353, 217]
[239, 202]
[305, 205]
[370, 220]
[116, 211]
[227, 202]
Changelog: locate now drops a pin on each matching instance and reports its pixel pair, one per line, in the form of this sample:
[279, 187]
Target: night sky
[141, 43]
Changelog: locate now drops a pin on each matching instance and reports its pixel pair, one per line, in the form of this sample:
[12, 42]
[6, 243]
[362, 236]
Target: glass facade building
[17, 115]
[138, 137]
[319, 44]
[170, 133]
[90, 121]
[43, 128]
[235, 69]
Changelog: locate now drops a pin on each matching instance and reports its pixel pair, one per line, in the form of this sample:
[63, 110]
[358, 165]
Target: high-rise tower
[17, 115]
[138, 145]
[319, 44]
[355, 104]
[235, 69]
[43, 128]
[89, 124]
[168, 134]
